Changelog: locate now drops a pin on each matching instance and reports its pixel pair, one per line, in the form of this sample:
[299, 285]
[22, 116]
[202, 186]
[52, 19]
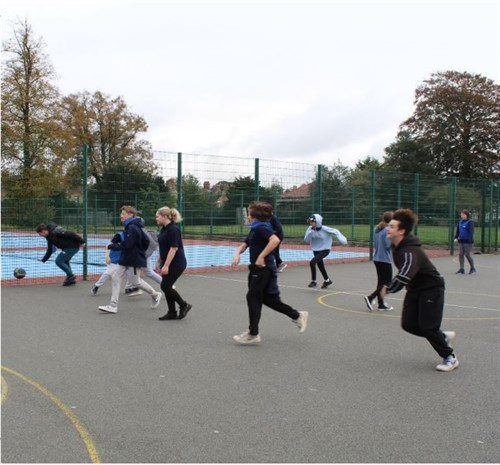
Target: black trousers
[422, 316]
[319, 255]
[171, 295]
[258, 281]
[384, 277]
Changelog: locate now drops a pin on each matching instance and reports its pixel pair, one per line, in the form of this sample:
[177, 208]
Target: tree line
[454, 131]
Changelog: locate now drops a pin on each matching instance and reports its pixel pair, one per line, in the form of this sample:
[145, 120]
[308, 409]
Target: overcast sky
[313, 81]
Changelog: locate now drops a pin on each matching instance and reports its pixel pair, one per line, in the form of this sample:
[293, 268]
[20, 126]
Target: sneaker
[472, 271]
[301, 321]
[449, 336]
[128, 290]
[281, 267]
[184, 310]
[70, 281]
[312, 284]
[108, 309]
[156, 299]
[169, 316]
[460, 271]
[449, 364]
[94, 290]
[368, 302]
[247, 339]
[385, 308]
[326, 283]
[134, 292]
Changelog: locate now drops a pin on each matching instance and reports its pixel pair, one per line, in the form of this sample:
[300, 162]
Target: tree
[32, 140]
[109, 129]
[457, 122]
[409, 155]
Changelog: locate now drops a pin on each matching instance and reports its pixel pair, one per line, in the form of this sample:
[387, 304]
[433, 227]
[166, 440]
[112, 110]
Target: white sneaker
[301, 321]
[282, 266]
[135, 292]
[449, 364]
[156, 299]
[449, 336]
[108, 309]
[385, 308]
[247, 339]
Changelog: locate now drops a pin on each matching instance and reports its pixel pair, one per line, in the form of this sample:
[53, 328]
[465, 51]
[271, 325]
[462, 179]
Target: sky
[311, 81]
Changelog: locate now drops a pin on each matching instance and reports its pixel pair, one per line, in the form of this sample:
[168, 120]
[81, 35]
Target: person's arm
[170, 256]
[48, 253]
[236, 257]
[272, 243]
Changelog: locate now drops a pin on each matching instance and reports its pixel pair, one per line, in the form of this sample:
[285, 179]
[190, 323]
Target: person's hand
[164, 270]
[260, 262]
[236, 260]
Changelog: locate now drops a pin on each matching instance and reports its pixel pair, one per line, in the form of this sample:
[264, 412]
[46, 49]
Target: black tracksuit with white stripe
[424, 301]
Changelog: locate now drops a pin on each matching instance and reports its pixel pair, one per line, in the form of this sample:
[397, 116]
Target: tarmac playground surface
[81, 386]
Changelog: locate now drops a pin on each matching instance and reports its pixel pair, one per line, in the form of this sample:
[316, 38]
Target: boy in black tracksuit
[424, 301]
[68, 241]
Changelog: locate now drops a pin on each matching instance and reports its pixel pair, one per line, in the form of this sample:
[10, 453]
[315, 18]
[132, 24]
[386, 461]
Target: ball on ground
[19, 273]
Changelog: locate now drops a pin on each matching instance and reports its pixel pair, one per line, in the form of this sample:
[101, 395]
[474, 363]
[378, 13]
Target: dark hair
[41, 227]
[466, 212]
[386, 217]
[262, 211]
[407, 219]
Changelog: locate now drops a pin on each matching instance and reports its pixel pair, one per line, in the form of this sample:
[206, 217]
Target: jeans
[63, 259]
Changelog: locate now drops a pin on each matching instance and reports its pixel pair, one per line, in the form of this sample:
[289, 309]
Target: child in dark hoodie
[68, 241]
[424, 301]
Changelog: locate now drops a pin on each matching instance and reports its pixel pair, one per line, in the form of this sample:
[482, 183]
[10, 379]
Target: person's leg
[384, 277]
[461, 254]
[151, 273]
[117, 273]
[63, 260]
[172, 296]
[274, 301]
[467, 253]
[430, 317]
[258, 280]
[136, 281]
[321, 264]
[103, 279]
[409, 314]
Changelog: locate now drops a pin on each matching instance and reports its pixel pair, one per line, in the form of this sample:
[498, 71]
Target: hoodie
[416, 271]
[320, 237]
[133, 246]
[60, 238]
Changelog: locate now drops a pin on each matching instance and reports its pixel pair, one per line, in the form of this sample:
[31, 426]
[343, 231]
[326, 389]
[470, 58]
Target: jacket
[62, 239]
[320, 237]
[465, 231]
[416, 271]
[133, 246]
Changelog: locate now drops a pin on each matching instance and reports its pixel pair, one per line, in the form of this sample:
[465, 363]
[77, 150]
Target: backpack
[153, 242]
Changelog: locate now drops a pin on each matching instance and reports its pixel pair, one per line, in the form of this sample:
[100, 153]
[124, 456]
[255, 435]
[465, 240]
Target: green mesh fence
[212, 194]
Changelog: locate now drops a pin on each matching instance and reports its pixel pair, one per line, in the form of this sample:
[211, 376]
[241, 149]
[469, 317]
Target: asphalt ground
[80, 386]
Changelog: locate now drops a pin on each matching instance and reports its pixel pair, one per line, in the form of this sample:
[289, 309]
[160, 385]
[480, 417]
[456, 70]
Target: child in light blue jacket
[319, 237]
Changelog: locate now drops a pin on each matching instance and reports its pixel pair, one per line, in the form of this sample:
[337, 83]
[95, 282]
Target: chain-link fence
[212, 194]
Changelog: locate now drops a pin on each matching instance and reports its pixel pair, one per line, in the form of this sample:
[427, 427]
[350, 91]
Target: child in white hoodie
[319, 237]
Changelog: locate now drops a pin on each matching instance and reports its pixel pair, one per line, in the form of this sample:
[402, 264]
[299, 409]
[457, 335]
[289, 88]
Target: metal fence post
[180, 197]
[451, 214]
[85, 208]
[257, 180]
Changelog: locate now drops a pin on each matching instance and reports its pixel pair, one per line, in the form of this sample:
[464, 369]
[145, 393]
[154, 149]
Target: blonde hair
[171, 213]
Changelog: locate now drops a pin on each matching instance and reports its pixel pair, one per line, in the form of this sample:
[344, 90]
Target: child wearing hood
[319, 237]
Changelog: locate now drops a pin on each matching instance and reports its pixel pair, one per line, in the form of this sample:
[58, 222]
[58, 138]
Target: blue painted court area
[20, 254]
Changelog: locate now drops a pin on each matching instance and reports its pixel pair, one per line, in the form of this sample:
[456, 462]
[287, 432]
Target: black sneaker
[184, 310]
[94, 290]
[312, 284]
[70, 281]
[169, 316]
[326, 284]
[460, 271]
